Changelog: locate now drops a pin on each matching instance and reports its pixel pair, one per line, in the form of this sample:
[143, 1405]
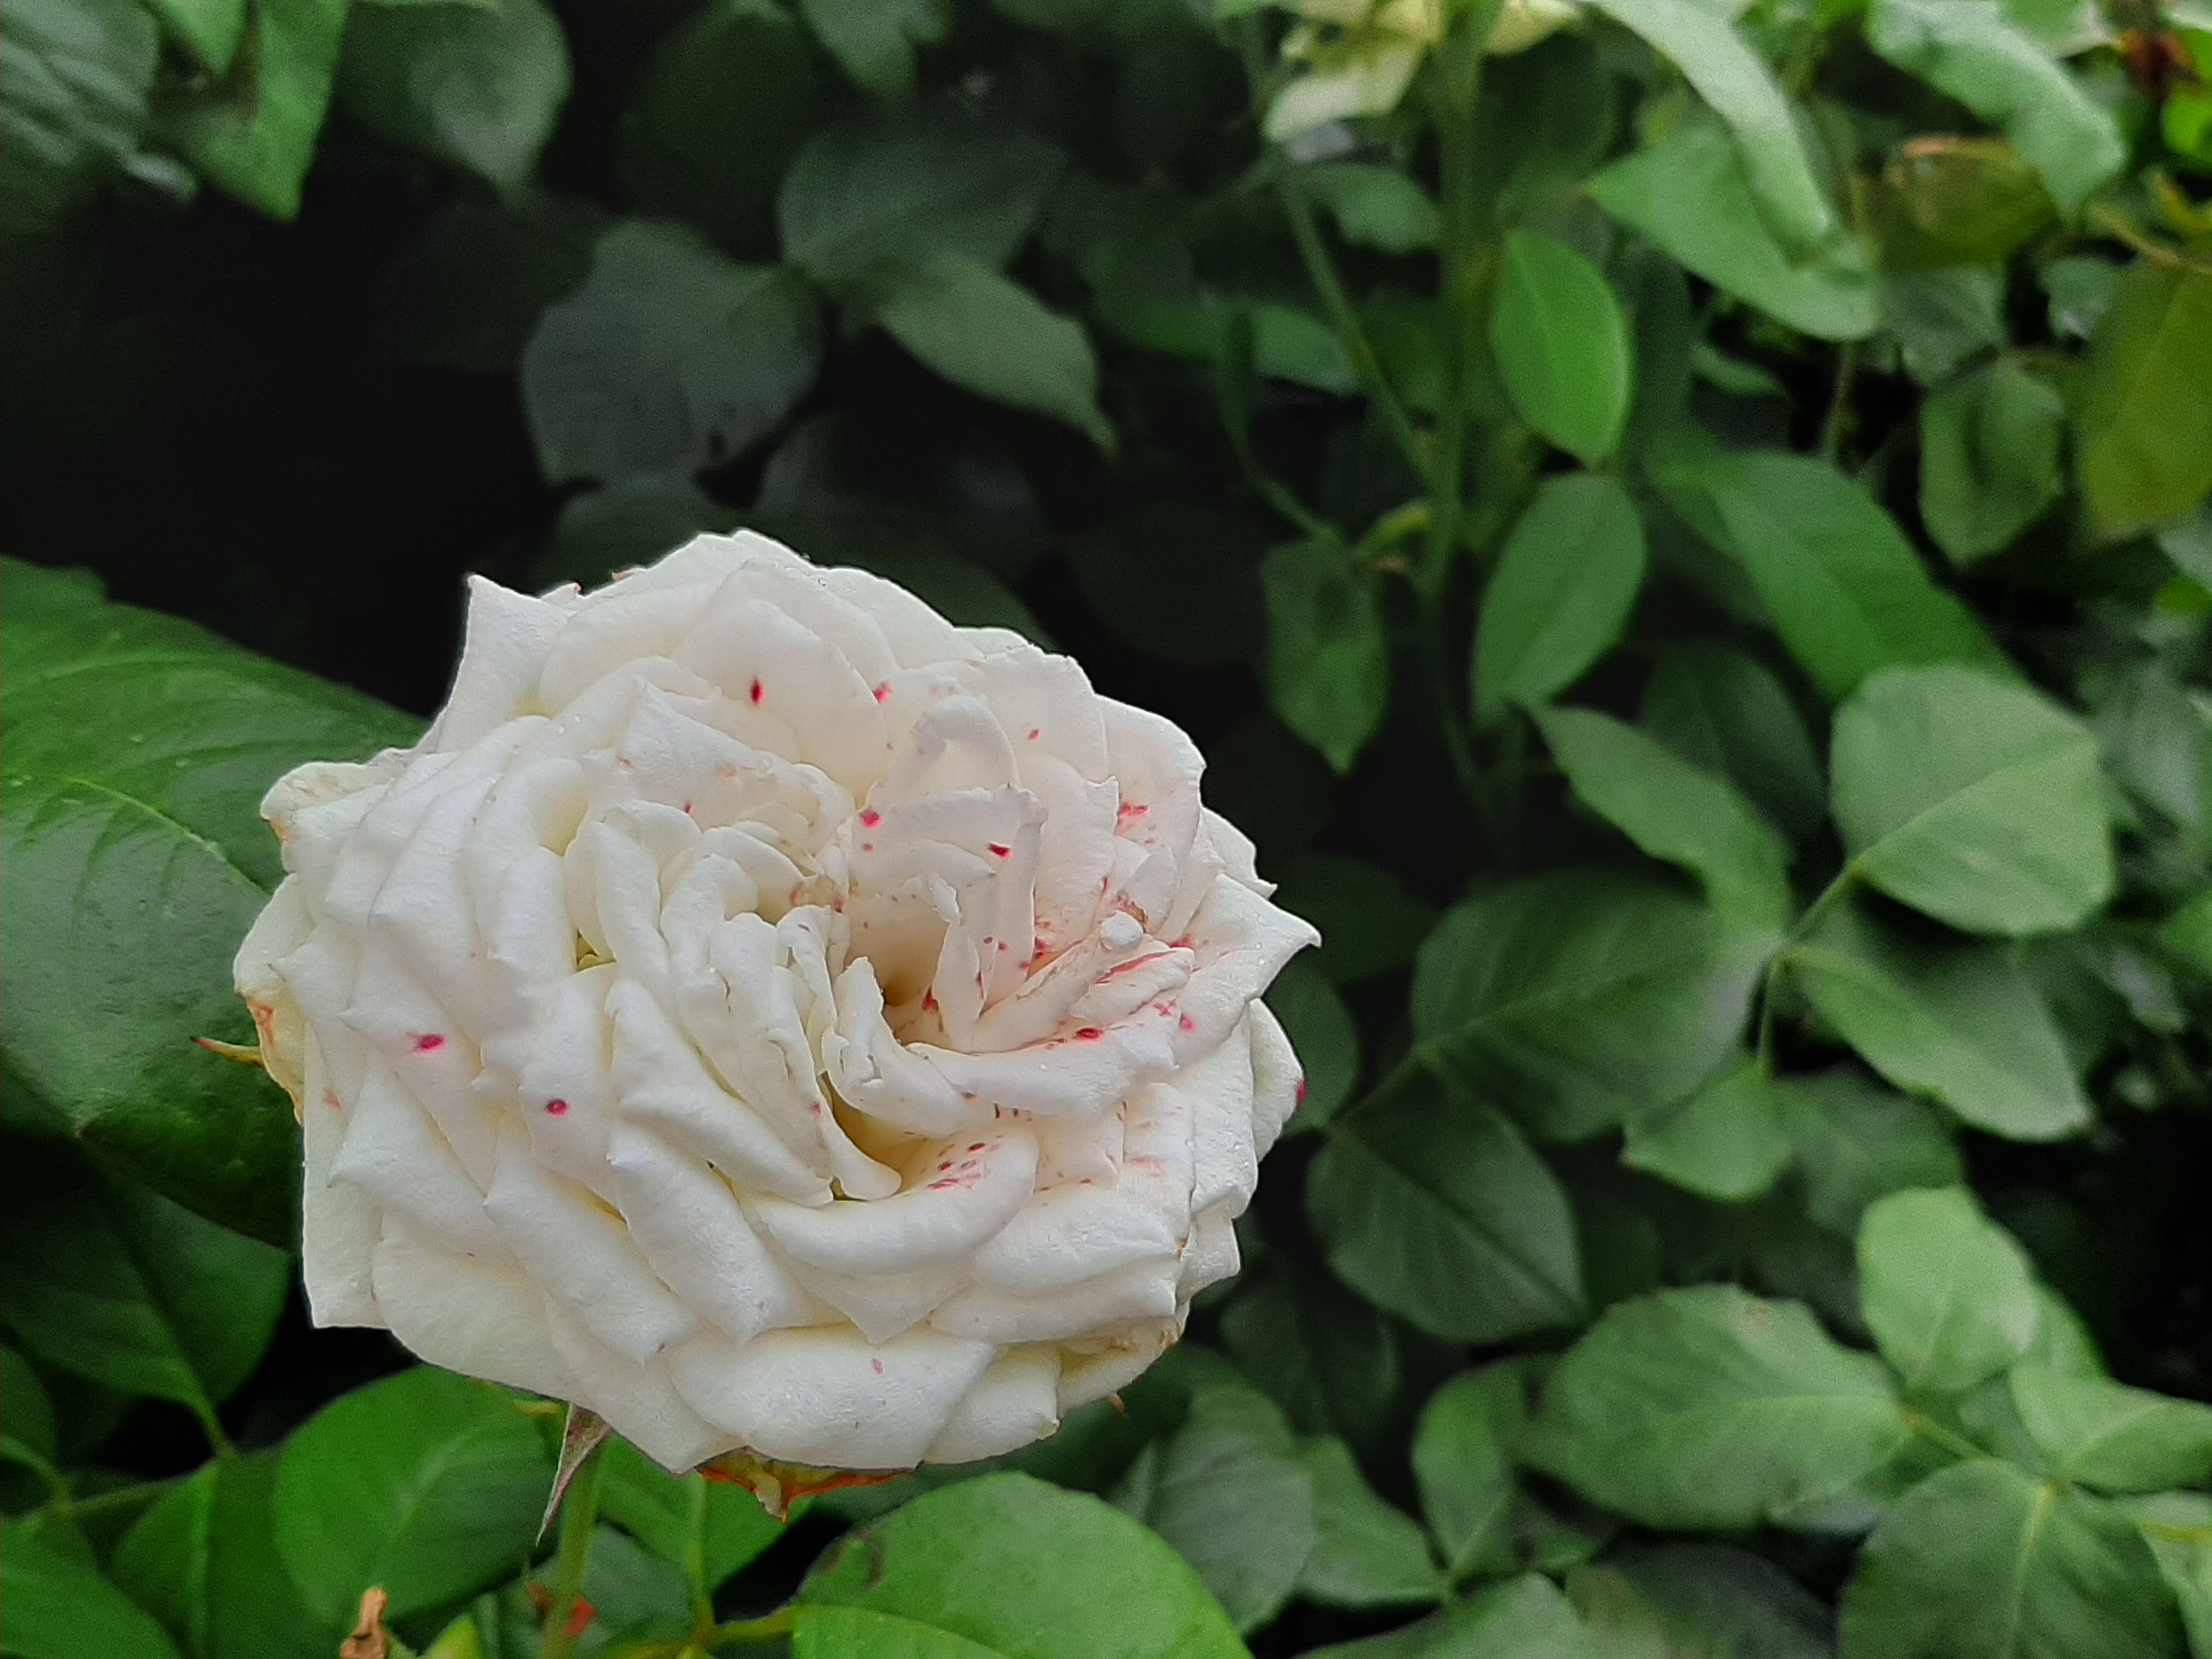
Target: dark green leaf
[1376, 206]
[1369, 1553]
[1989, 459]
[875, 40]
[60, 1608]
[1972, 800]
[1330, 1360]
[2143, 433]
[1286, 343]
[672, 1514]
[465, 291]
[1940, 318]
[1008, 1565]
[1463, 1463]
[1432, 1206]
[2082, 288]
[1960, 1022]
[73, 81]
[1329, 656]
[981, 331]
[2115, 1439]
[1946, 201]
[1726, 712]
[1983, 1561]
[479, 85]
[254, 133]
[1709, 1407]
[1700, 1601]
[202, 1561]
[1949, 1296]
[210, 29]
[1688, 194]
[1673, 811]
[1320, 1029]
[1524, 1618]
[2178, 1527]
[634, 1594]
[1972, 50]
[1368, 923]
[1561, 594]
[1857, 1141]
[27, 1413]
[1845, 586]
[669, 356]
[1726, 1141]
[1561, 343]
[120, 1284]
[426, 1483]
[1584, 998]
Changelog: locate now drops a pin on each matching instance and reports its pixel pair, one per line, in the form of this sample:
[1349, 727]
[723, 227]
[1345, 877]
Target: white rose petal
[773, 1018]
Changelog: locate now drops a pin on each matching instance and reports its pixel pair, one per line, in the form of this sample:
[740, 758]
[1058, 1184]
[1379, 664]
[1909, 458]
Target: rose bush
[770, 1015]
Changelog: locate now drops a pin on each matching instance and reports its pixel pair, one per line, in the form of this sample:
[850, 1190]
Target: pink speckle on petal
[429, 1043]
[1131, 809]
[872, 818]
[884, 692]
[757, 693]
[687, 807]
[878, 1365]
[1188, 1023]
[998, 850]
[1300, 1092]
[556, 1108]
[1088, 1034]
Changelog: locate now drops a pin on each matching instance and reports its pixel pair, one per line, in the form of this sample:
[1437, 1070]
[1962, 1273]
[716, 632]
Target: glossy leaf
[670, 356]
[479, 85]
[1989, 459]
[1959, 1022]
[1561, 593]
[1674, 811]
[1982, 1561]
[1369, 1553]
[981, 332]
[58, 1607]
[1464, 1466]
[1562, 343]
[1949, 1296]
[1973, 800]
[1329, 656]
[1584, 998]
[1725, 711]
[2113, 1437]
[2143, 433]
[1847, 592]
[1006, 1565]
[1726, 1141]
[1432, 1206]
[1709, 1407]
[254, 133]
[429, 1483]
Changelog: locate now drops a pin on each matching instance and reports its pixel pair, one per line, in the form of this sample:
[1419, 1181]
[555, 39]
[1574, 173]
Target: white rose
[773, 1018]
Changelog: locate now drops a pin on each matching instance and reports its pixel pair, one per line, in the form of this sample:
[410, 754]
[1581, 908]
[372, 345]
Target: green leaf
[120, 1284]
[1989, 459]
[465, 291]
[671, 1515]
[59, 1608]
[2178, 1527]
[1227, 1489]
[72, 102]
[1735, 81]
[1524, 1618]
[1006, 1565]
[636, 1595]
[477, 85]
[1949, 1296]
[1982, 1561]
[1844, 588]
[1369, 1553]
[1709, 1407]
[1673, 811]
[1971, 49]
[862, 202]
[2143, 433]
[1857, 1141]
[1687, 193]
[1321, 1030]
[992, 336]
[137, 749]
[874, 40]
[1977, 801]
[1368, 923]
[1726, 1141]
[1561, 343]
[1584, 998]
[429, 1483]
[204, 1562]
[1329, 655]
[669, 356]
[1946, 201]
[1561, 593]
[27, 1412]
[1331, 1361]
[2115, 1438]
[1960, 1022]
[1432, 1206]
[252, 133]
[1376, 207]
[2080, 288]
[1725, 711]
[1940, 318]
[1699, 1601]
[1463, 1464]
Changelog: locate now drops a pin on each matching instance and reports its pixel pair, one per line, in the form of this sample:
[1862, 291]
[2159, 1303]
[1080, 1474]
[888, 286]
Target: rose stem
[579, 1509]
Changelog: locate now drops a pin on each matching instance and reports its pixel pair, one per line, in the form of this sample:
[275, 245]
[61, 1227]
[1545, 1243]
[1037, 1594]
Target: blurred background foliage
[1682, 536]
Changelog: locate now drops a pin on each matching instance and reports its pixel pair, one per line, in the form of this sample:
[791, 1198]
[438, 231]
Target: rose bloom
[771, 1017]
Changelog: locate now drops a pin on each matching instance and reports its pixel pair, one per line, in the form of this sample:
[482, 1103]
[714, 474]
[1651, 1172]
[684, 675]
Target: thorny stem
[580, 1511]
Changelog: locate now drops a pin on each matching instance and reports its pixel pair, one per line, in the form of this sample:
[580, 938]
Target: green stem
[1839, 401]
[211, 1426]
[695, 1558]
[579, 1512]
[750, 1632]
[1779, 963]
[1462, 265]
[1957, 1444]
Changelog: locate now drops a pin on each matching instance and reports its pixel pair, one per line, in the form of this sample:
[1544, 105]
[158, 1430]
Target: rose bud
[772, 1017]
